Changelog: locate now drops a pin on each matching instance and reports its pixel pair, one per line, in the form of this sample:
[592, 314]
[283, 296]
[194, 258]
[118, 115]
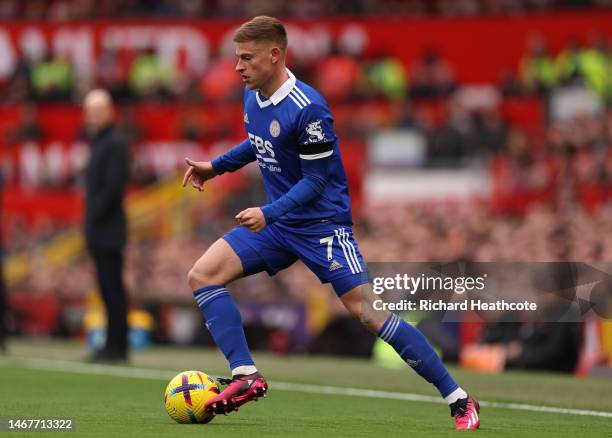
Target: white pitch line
[152, 374]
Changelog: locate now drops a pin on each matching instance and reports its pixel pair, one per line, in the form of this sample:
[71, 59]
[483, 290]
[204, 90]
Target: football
[186, 395]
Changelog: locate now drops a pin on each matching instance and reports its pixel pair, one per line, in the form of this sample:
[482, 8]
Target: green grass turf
[108, 406]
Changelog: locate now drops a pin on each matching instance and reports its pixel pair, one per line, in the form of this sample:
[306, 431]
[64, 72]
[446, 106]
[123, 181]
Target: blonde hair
[262, 28]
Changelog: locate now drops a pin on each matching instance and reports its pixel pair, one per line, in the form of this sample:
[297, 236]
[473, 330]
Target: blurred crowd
[470, 231]
[461, 124]
[541, 71]
[157, 268]
[342, 74]
[572, 164]
[66, 10]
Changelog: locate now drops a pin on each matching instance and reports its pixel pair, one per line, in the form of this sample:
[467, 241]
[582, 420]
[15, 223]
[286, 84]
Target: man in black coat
[105, 223]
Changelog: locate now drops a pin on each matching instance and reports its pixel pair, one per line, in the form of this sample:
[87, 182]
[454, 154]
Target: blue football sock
[224, 323]
[413, 347]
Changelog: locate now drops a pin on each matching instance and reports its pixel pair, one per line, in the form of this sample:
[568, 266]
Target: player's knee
[199, 278]
[356, 309]
[193, 279]
[358, 303]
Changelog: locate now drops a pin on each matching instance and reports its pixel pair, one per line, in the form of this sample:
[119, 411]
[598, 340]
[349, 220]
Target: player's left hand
[252, 218]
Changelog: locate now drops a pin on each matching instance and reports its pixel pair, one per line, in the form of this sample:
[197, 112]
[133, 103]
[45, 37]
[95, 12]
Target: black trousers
[109, 268]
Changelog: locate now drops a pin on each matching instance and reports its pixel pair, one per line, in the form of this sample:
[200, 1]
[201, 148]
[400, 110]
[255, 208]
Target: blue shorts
[327, 249]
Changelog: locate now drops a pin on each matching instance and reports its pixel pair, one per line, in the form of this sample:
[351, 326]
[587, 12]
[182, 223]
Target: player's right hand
[198, 173]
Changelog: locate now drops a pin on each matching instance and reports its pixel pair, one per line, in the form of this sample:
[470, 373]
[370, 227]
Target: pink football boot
[240, 390]
[465, 412]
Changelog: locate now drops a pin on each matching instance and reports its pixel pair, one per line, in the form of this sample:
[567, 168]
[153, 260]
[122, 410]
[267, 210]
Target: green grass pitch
[41, 379]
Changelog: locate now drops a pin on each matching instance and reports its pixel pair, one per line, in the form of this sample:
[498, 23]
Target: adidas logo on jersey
[246, 118]
[334, 265]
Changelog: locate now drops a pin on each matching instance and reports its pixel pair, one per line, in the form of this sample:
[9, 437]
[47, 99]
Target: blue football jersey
[293, 125]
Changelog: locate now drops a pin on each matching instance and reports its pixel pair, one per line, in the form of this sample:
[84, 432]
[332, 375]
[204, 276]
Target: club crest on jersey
[315, 132]
[246, 118]
[274, 128]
